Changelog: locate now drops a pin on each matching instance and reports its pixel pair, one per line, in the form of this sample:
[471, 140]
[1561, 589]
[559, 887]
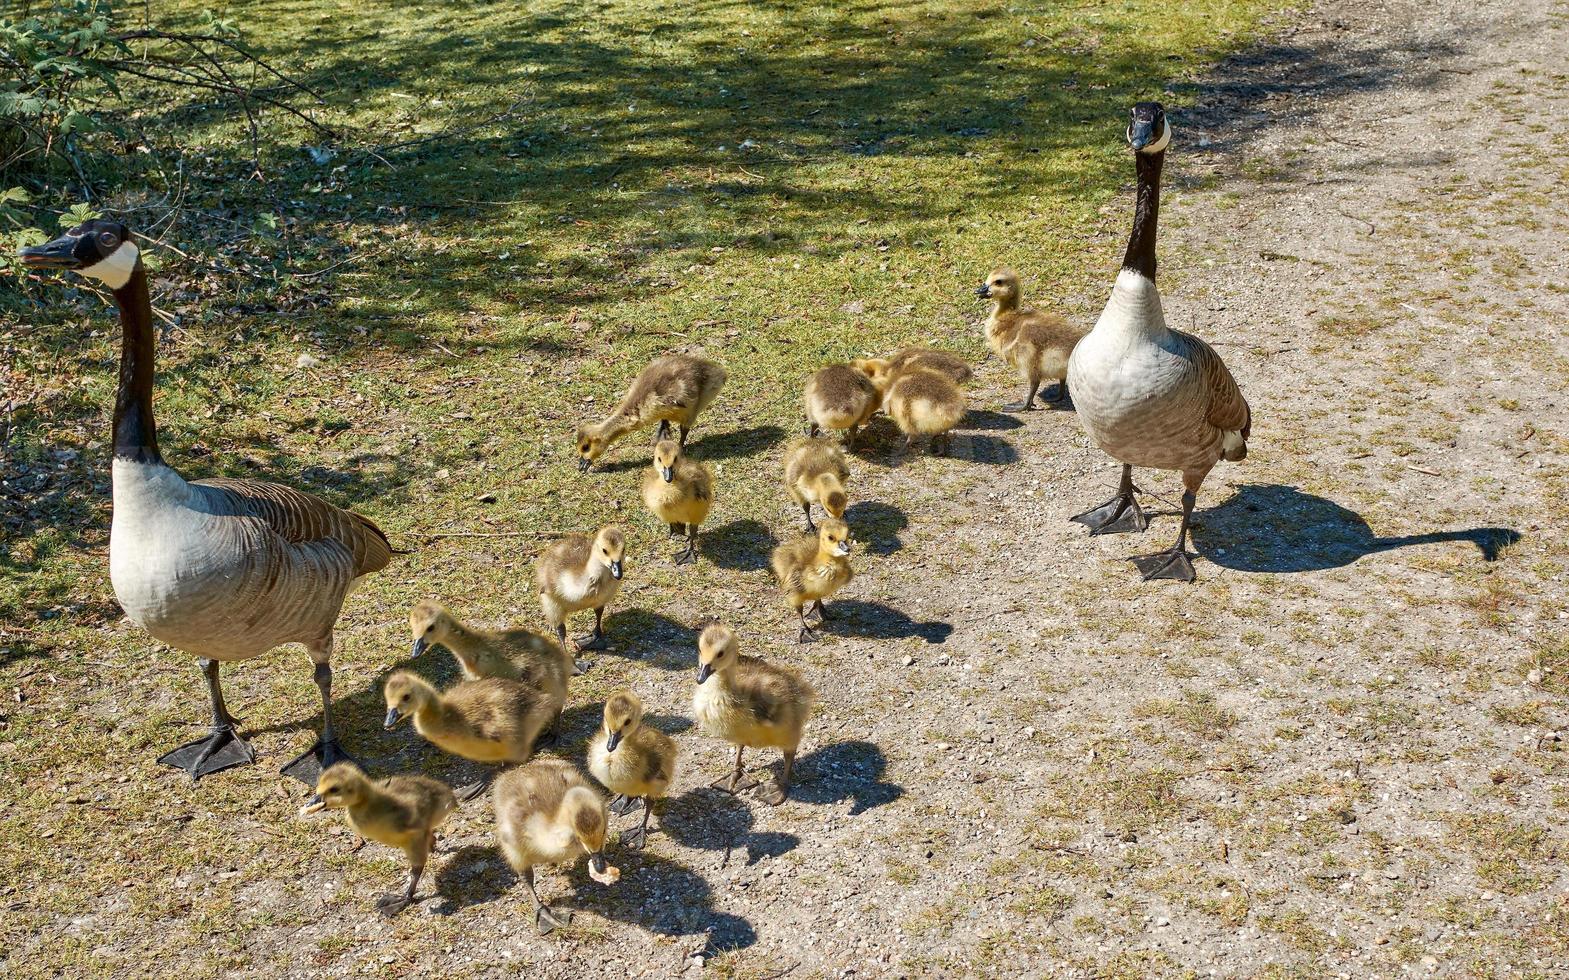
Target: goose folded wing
[1228, 411]
[303, 518]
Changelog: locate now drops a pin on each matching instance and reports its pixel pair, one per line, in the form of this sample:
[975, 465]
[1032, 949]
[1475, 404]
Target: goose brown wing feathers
[303, 518]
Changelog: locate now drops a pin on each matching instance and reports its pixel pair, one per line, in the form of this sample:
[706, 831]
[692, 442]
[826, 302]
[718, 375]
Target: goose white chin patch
[1163, 142]
[115, 270]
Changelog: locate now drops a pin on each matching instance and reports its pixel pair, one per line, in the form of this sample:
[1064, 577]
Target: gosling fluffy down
[840, 398]
[489, 720]
[547, 813]
[632, 759]
[750, 704]
[399, 811]
[679, 491]
[924, 403]
[577, 573]
[952, 366]
[513, 654]
[1034, 343]
[674, 388]
[815, 472]
[812, 568]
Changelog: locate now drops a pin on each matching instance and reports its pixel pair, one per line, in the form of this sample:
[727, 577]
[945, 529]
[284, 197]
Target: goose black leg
[545, 920]
[677, 529]
[638, 838]
[622, 805]
[308, 766]
[1059, 395]
[1118, 515]
[1173, 563]
[684, 431]
[391, 905]
[664, 430]
[222, 748]
[807, 634]
[849, 440]
[822, 611]
[579, 666]
[812, 429]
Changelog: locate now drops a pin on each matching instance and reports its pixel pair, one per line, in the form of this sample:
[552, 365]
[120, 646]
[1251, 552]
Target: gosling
[490, 720]
[679, 490]
[1035, 344]
[401, 812]
[546, 813]
[577, 573]
[925, 403]
[956, 368]
[751, 704]
[839, 397]
[632, 759]
[674, 388]
[815, 472]
[514, 654]
[810, 569]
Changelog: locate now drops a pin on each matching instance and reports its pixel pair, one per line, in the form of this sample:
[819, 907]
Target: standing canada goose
[515, 654]
[953, 366]
[679, 490]
[1035, 344]
[400, 811]
[632, 760]
[841, 398]
[1146, 394]
[489, 720]
[674, 388]
[815, 473]
[812, 568]
[749, 703]
[222, 569]
[577, 573]
[546, 813]
[925, 403]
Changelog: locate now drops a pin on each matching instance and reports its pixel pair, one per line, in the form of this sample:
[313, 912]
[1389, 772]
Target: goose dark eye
[108, 239]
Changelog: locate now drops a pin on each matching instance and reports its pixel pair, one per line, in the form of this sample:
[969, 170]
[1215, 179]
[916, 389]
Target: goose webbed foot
[622, 805]
[548, 922]
[1172, 563]
[635, 839]
[468, 792]
[1119, 515]
[223, 748]
[390, 905]
[1059, 395]
[594, 641]
[772, 792]
[1012, 407]
[807, 634]
[579, 667]
[308, 766]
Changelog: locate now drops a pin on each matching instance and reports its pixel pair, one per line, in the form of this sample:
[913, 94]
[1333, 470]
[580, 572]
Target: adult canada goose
[399, 811]
[225, 570]
[674, 388]
[1146, 394]
[1036, 344]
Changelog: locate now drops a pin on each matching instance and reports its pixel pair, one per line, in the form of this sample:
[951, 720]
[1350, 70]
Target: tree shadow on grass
[845, 770]
[1274, 528]
[743, 545]
[877, 620]
[876, 526]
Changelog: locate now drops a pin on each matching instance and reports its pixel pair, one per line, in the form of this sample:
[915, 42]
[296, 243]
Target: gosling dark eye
[431, 628]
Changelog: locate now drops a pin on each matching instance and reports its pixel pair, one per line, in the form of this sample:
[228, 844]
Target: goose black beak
[313, 805]
[58, 254]
[668, 472]
[613, 741]
[703, 672]
[984, 292]
[1141, 134]
[392, 719]
[419, 647]
[615, 569]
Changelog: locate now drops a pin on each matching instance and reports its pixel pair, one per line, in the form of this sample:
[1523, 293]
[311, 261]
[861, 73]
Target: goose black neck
[135, 433]
[1140, 256]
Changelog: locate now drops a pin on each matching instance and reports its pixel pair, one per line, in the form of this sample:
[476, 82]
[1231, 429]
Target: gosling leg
[1033, 384]
[736, 781]
[807, 510]
[545, 920]
[222, 748]
[807, 634]
[391, 905]
[596, 640]
[637, 839]
[775, 792]
[664, 430]
[689, 556]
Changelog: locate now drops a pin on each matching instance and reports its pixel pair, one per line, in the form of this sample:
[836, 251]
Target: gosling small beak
[58, 254]
[703, 672]
[613, 741]
[596, 862]
[844, 547]
[615, 569]
[313, 805]
[984, 292]
[1141, 134]
[392, 719]
[419, 647]
[668, 472]
[583, 463]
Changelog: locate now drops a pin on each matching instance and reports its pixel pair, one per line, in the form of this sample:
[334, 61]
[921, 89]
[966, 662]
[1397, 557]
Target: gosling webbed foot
[677, 530]
[579, 667]
[771, 793]
[223, 748]
[594, 641]
[807, 634]
[635, 839]
[1059, 395]
[1015, 407]
[1120, 515]
[689, 556]
[308, 766]
[1172, 563]
[733, 783]
[548, 922]
[468, 792]
[622, 805]
[391, 905]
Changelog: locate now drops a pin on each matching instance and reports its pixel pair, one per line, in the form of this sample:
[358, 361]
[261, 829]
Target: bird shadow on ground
[876, 526]
[652, 638]
[986, 420]
[877, 620]
[474, 875]
[659, 895]
[741, 442]
[845, 770]
[709, 819]
[742, 545]
[1274, 528]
